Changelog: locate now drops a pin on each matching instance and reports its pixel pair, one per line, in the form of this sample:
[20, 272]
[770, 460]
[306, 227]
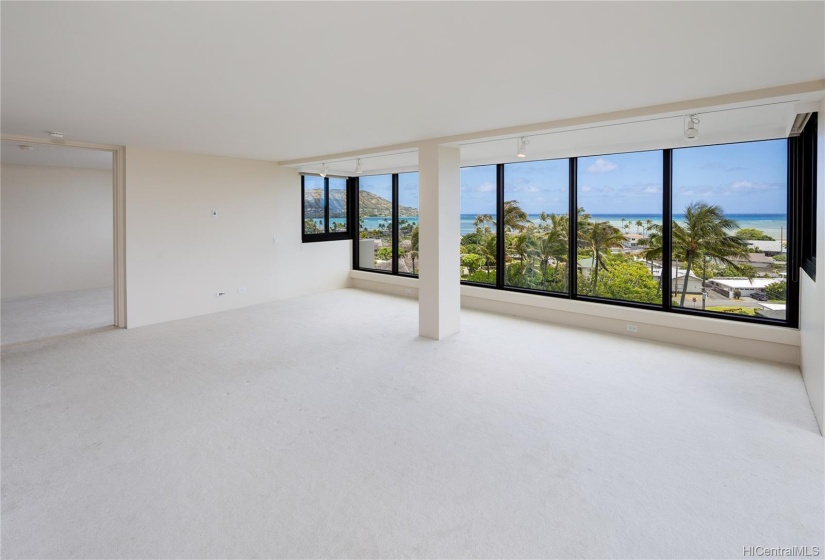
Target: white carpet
[323, 427]
[36, 317]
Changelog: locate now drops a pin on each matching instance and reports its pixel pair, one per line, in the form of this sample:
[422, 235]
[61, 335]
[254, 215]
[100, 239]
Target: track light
[691, 131]
[358, 169]
[522, 147]
[324, 169]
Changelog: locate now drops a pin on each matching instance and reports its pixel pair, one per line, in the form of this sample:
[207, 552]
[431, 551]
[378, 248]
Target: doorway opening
[61, 239]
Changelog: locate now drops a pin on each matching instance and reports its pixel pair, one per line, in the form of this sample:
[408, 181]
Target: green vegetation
[750, 311]
[777, 291]
[753, 234]
[310, 226]
[704, 235]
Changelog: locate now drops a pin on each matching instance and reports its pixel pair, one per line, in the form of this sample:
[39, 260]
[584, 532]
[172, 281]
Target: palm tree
[522, 245]
[553, 245]
[639, 225]
[487, 249]
[648, 225]
[482, 223]
[703, 235]
[600, 236]
[515, 219]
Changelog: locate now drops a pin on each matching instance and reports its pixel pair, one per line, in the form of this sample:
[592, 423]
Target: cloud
[601, 165]
[748, 187]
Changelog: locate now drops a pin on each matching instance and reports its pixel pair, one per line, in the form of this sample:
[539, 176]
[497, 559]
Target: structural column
[439, 293]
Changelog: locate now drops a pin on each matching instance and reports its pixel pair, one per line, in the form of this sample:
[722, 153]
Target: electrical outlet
[241, 290]
[407, 291]
[632, 328]
[220, 294]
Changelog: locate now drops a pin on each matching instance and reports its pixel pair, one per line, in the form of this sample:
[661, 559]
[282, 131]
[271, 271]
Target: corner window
[324, 208]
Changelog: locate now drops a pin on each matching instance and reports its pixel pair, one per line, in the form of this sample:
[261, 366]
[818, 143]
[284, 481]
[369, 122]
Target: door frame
[118, 211]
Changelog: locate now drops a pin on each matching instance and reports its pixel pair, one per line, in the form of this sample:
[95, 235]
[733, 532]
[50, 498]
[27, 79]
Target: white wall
[56, 229]
[178, 256]
[812, 296]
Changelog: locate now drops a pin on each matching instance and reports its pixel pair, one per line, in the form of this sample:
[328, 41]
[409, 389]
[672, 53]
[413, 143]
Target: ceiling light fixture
[691, 131]
[522, 147]
[25, 147]
[324, 169]
[55, 134]
[358, 169]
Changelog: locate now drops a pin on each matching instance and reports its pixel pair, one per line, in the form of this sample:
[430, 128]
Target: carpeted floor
[324, 427]
[36, 317]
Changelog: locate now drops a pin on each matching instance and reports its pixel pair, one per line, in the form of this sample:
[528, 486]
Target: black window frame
[802, 175]
[793, 214]
[326, 235]
[356, 232]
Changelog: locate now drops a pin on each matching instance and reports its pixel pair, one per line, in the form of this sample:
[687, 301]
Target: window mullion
[395, 223]
[665, 276]
[501, 251]
[573, 231]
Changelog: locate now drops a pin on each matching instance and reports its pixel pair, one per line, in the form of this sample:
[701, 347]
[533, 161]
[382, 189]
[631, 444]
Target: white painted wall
[179, 256]
[812, 297]
[56, 229]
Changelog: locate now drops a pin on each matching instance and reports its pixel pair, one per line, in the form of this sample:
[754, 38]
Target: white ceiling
[283, 81]
[54, 156]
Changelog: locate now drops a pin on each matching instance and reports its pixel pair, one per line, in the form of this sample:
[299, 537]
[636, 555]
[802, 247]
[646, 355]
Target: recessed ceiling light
[25, 147]
[55, 134]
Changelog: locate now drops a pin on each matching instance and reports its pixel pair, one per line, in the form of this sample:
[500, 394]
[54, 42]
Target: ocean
[775, 225]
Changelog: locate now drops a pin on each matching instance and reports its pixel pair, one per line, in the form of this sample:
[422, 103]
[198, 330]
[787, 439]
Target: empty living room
[412, 279]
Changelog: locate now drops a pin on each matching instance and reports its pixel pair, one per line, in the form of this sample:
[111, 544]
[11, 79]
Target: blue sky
[741, 178]
[381, 185]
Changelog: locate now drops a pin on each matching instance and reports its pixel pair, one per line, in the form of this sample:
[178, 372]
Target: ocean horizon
[774, 225]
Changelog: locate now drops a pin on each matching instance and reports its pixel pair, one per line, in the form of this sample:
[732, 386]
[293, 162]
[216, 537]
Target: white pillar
[439, 287]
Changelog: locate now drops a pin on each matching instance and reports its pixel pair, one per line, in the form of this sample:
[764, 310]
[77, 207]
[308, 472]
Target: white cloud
[601, 165]
[748, 186]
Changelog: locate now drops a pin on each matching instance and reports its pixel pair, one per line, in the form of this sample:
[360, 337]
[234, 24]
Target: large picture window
[619, 226]
[702, 230]
[536, 225]
[388, 223]
[730, 229]
[479, 240]
[324, 208]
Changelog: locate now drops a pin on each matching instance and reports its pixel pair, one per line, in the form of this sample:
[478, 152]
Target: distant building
[770, 248]
[759, 261]
[745, 287]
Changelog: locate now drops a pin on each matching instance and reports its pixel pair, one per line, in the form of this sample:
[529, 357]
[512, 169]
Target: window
[703, 230]
[536, 204]
[479, 240]
[388, 223]
[730, 229]
[803, 176]
[408, 223]
[324, 208]
[619, 227]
